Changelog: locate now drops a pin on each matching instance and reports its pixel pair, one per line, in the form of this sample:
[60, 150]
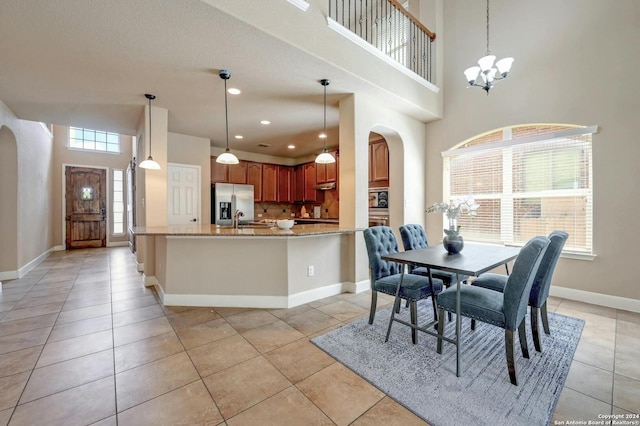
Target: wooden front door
[86, 207]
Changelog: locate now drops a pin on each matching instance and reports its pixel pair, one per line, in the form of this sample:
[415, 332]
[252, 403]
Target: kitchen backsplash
[329, 209]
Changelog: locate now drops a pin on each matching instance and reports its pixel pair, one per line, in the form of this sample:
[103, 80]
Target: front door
[183, 195]
[86, 202]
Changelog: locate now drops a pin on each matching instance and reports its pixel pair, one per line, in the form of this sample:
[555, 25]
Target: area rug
[425, 382]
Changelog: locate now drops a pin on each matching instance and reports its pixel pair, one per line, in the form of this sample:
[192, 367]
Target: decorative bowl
[285, 223]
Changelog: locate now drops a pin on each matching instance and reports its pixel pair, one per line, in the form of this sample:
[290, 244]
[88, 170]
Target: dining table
[474, 260]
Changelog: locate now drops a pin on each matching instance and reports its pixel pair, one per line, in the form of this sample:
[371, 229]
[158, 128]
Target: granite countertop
[255, 231]
[318, 220]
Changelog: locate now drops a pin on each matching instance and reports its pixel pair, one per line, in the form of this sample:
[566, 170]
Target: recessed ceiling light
[234, 91]
[239, 137]
[291, 146]
[265, 122]
[322, 136]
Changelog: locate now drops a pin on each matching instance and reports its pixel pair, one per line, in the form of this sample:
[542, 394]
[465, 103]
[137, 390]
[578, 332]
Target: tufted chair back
[520, 281]
[381, 240]
[413, 237]
[542, 282]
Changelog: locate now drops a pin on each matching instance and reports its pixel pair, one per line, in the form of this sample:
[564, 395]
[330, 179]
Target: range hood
[325, 186]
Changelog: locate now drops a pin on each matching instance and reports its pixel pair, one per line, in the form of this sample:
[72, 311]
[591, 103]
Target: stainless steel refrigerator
[227, 198]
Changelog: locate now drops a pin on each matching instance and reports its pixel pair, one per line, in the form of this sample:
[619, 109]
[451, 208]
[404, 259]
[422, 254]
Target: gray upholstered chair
[539, 289]
[505, 310]
[413, 238]
[385, 276]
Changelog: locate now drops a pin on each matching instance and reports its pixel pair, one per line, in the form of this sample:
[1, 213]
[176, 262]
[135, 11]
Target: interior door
[131, 203]
[86, 207]
[183, 194]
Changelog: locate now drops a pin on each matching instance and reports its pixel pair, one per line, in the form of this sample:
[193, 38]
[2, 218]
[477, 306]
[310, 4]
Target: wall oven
[378, 206]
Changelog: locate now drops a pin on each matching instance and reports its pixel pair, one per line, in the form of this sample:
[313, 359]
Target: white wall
[576, 62]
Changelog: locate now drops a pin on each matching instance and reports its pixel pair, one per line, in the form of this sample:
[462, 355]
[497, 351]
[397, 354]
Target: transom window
[529, 180]
[94, 140]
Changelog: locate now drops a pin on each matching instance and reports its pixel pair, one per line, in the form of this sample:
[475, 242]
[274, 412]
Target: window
[118, 202]
[94, 140]
[529, 180]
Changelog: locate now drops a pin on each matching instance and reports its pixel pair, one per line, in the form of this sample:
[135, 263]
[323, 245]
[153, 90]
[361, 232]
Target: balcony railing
[389, 27]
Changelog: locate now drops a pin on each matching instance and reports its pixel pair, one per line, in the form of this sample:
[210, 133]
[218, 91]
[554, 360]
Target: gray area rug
[425, 382]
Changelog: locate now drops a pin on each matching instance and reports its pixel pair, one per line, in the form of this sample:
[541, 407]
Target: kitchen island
[252, 266]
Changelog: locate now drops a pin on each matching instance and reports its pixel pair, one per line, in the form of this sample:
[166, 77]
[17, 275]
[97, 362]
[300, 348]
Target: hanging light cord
[149, 126]
[325, 119]
[488, 51]
[226, 112]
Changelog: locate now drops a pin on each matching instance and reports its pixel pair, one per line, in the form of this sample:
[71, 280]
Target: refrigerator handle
[233, 204]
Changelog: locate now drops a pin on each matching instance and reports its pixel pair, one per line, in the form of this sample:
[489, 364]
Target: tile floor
[82, 341]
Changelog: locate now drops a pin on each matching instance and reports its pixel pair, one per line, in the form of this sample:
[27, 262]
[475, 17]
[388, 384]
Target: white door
[183, 196]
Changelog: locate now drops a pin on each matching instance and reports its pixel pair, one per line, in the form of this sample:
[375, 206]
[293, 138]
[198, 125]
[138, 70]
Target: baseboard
[358, 287]
[58, 248]
[118, 244]
[140, 266]
[150, 280]
[223, 301]
[9, 275]
[600, 299]
[312, 295]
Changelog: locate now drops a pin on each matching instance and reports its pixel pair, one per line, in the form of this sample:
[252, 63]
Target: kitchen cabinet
[254, 177]
[285, 184]
[379, 163]
[228, 173]
[305, 182]
[269, 182]
[326, 173]
[219, 172]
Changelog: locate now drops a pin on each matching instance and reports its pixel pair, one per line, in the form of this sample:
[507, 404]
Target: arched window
[529, 180]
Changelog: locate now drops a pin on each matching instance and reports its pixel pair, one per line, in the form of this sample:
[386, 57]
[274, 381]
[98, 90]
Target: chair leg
[473, 324]
[406, 305]
[535, 329]
[510, 349]
[522, 334]
[413, 308]
[545, 319]
[440, 330]
[435, 310]
[397, 307]
[374, 304]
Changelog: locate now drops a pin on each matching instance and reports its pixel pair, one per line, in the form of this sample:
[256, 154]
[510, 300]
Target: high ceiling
[88, 63]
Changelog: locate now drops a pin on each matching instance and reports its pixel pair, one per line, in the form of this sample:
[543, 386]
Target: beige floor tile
[207, 332]
[251, 319]
[34, 311]
[341, 394]
[311, 321]
[576, 406]
[590, 381]
[26, 339]
[188, 405]
[221, 354]
[27, 324]
[68, 374]
[626, 393]
[602, 311]
[84, 313]
[272, 336]
[389, 413]
[31, 301]
[326, 330]
[169, 310]
[244, 385]
[84, 302]
[138, 302]
[148, 381]
[192, 316]
[5, 415]
[628, 329]
[595, 355]
[597, 330]
[80, 328]
[6, 296]
[227, 312]
[136, 315]
[141, 330]
[75, 347]
[147, 350]
[343, 311]
[327, 300]
[299, 360]
[12, 387]
[286, 313]
[19, 361]
[63, 408]
[287, 408]
[130, 292]
[629, 316]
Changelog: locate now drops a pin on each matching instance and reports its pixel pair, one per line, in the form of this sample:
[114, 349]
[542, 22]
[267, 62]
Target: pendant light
[325, 157]
[149, 163]
[226, 157]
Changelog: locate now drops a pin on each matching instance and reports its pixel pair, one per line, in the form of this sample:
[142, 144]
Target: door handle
[103, 212]
[193, 220]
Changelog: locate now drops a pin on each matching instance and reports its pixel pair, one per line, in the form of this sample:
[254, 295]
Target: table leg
[396, 304]
[458, 317]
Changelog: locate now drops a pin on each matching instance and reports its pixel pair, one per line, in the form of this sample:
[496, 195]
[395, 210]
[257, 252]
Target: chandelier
[489, 71]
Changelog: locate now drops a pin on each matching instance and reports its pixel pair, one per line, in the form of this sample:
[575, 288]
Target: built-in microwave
[379, 198]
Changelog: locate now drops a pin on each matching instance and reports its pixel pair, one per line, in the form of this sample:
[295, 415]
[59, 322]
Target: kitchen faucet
[236, 217]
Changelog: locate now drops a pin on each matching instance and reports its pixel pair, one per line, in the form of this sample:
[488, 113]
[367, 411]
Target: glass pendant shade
[325, 158]
[504, 66]
[486, 62]
[227, 158]
[472, 74]
[150, 163]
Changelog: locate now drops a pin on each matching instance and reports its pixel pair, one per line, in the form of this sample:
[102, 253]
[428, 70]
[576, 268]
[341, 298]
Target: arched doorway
[8, 204]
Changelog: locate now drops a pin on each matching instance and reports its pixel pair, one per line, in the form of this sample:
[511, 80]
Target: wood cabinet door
[321, 173]
[86, 207]
[298, 183]
[331, 174]
[269, 182]
[238, 172]
[219, 172]
[310, 193]
[254, 177]
[379, 161]
[285, 184]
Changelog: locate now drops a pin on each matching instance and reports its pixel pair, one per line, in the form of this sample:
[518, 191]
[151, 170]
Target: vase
[453, 241]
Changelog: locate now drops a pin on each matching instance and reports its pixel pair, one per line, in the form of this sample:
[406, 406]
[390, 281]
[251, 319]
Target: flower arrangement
[455, 209]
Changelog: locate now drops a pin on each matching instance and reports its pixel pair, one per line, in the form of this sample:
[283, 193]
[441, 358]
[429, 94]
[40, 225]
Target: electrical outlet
[293, 214]
[284, 210]
[310, 270]
[259, 214]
